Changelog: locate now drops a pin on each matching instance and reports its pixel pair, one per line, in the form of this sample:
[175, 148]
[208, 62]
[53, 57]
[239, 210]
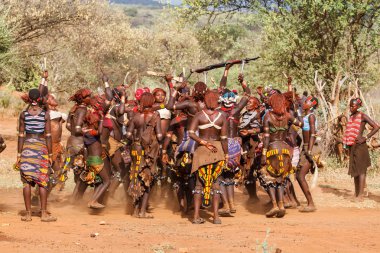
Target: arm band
[21, 135]
[191, 131]
[266, 135]
[106, 84]
[162, 106]
[168, 135]
[78, 127]
[48, 135]
[163, 151]
[203, 142]
[159, 135]
[19, 155]
[223, 137]
[128, 133]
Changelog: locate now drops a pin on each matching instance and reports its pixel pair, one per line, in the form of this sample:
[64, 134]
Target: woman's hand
[360, 140]
[211, 147]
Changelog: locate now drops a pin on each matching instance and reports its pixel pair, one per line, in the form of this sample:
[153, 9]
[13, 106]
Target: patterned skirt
[34, 164]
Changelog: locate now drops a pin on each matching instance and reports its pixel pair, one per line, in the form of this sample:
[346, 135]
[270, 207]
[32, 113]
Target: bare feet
[198, 221]
[281, 213]
[357, 199]
[273, 212]
[290, 205]
[27, 217]
[46, 217]
[96, 205]
[232, 208]
[223, 211]
[307, 209]
[145, 216]
[217, 221]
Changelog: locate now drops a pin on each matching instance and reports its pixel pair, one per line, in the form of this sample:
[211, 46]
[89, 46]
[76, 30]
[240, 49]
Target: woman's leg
[45, 216]
[301, 178]
[104, 174]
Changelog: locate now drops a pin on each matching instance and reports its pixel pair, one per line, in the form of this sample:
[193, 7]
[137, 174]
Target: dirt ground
[338, 225]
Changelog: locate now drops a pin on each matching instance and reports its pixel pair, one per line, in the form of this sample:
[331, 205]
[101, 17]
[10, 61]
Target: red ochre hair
[211, 99]
[146, 100]
[278, 103]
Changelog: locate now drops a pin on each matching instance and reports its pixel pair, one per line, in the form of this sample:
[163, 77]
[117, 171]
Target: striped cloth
[187, 144]
[35, 124]
[352, 129]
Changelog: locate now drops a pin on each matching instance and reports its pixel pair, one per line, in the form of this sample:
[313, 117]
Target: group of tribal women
[205, 140]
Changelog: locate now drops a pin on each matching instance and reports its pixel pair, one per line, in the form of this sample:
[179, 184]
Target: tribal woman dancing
[145, 131]
[276, 155]
[310, 150]
[92, 130]
[34, 156]
[231, 109]
[209, 158]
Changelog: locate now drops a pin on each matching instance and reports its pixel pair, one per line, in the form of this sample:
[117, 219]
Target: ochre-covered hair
[278, 103]
[146, 100]
[211, 99]
[80, 95]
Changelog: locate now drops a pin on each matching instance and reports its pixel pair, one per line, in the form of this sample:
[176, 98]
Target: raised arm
[244, 84]
[290, 87]
[121, 107]
[223, 81]
[107, 89]
[43, 87]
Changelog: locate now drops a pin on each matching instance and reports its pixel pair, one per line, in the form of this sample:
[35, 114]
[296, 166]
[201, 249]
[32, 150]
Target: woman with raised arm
[231, 108]
[34, 156]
